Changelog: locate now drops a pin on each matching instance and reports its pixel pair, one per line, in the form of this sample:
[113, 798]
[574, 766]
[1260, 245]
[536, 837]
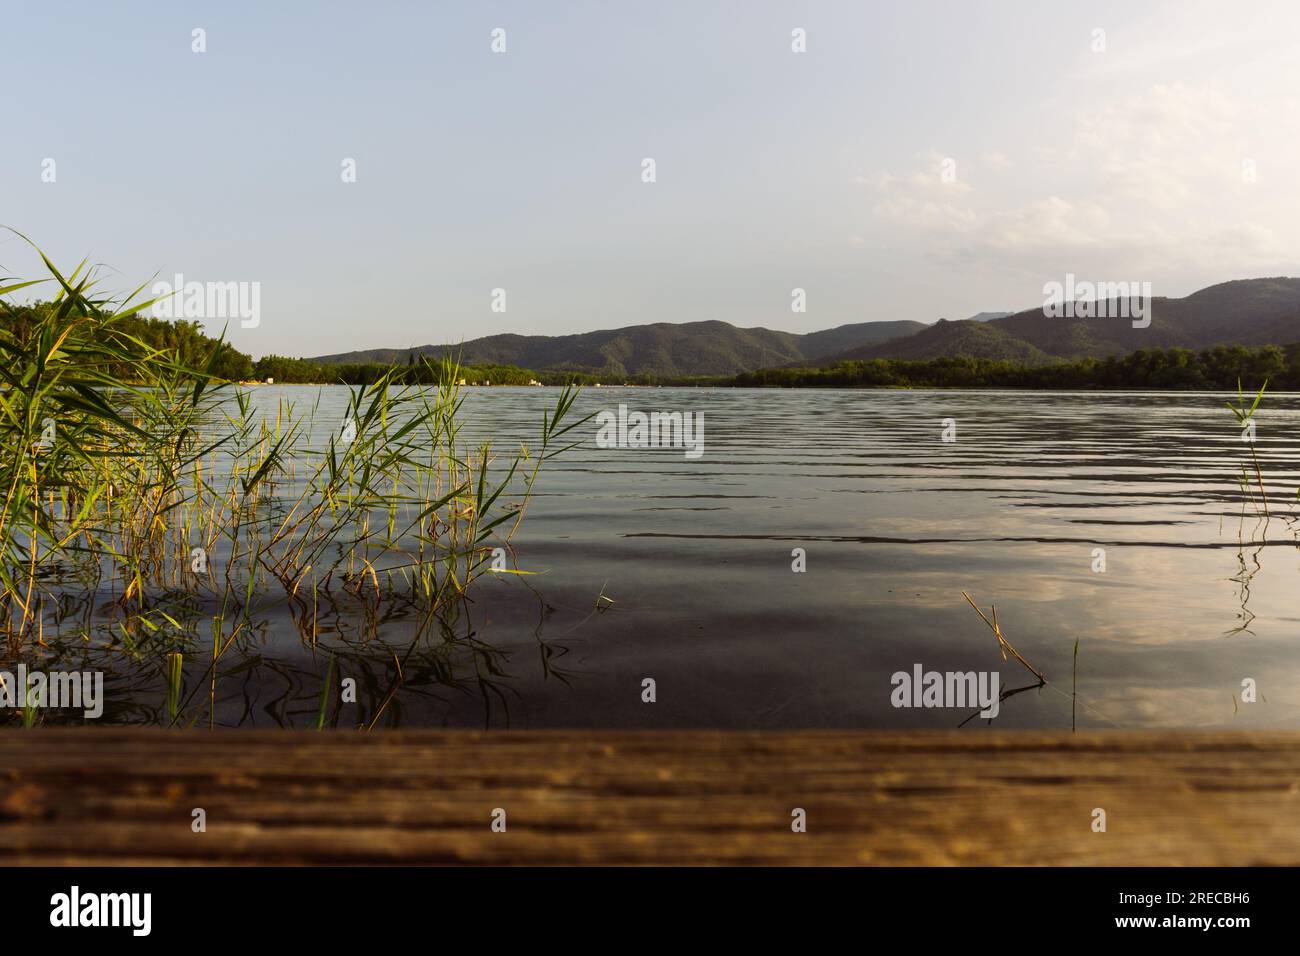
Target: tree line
[1220, 368]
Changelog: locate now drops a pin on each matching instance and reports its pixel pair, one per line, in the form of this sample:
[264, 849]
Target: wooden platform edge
[124, 796]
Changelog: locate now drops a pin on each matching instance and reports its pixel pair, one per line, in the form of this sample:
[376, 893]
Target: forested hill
[185, 339]
[1249, 312]
[662, 350]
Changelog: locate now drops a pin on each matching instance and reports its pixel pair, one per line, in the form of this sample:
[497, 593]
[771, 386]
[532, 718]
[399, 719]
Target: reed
[126, 473]
[1245, 417]
[1003, 644]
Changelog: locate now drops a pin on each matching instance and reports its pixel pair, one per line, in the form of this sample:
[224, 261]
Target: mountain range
[662, 349]
[1243, 312]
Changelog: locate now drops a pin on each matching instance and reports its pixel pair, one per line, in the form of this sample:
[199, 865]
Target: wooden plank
[122, 795]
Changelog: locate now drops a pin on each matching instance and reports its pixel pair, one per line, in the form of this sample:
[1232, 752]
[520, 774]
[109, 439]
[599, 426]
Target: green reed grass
[1244, 414]
[125, 472]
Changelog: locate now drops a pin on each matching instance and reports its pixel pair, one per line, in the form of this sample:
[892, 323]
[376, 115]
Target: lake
[693, 558]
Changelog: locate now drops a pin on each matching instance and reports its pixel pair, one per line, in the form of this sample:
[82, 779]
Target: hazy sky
[1171, 157]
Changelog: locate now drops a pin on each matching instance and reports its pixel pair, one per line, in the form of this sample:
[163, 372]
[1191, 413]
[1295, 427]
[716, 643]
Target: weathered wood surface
[109, 796]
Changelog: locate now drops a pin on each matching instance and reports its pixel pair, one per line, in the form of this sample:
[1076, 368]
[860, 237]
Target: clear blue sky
[775, 170]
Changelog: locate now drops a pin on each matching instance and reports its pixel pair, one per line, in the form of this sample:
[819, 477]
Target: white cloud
[1150, 182]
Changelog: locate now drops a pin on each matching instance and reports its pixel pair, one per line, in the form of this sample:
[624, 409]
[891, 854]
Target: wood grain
[125, 796]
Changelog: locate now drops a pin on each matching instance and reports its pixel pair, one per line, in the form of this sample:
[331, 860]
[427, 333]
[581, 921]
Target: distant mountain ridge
[662, 349]
[1248, 312]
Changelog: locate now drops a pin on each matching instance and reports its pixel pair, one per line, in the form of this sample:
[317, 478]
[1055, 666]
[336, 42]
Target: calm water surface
[896, 524]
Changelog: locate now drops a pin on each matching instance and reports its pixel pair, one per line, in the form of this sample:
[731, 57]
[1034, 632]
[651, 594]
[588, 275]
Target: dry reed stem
[1003, 644]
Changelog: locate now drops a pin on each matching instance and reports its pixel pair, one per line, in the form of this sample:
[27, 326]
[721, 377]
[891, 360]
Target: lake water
[696, 557]
[896, 523]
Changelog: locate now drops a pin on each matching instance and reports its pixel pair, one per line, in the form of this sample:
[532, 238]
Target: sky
[918, 160]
